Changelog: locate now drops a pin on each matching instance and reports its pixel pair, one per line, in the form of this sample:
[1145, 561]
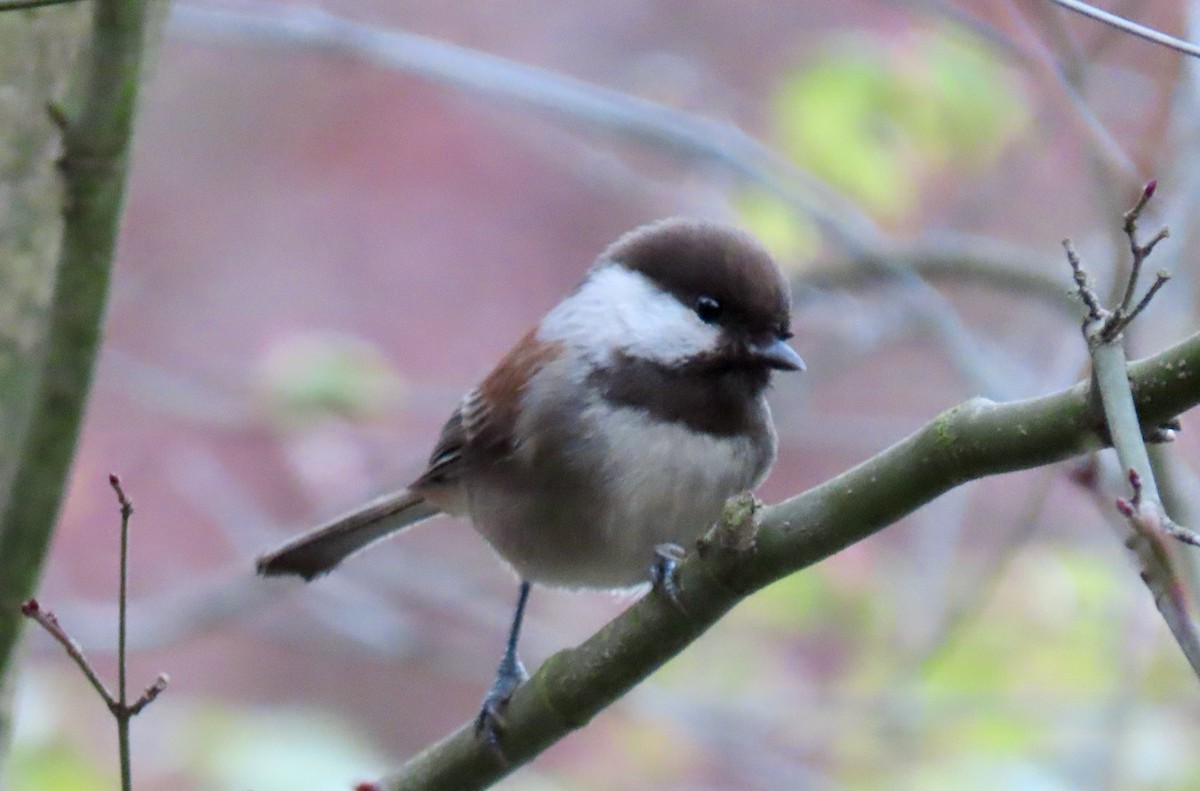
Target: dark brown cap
[694, 260]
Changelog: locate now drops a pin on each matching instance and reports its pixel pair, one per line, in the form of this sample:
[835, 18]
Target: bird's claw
[489, 723]
[663, 571]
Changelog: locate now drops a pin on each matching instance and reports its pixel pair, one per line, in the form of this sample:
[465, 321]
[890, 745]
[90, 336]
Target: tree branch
[1103, 331]
[96, 123]
[970, 441]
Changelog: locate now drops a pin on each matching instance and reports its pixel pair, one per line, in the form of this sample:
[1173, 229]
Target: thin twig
[1144, 512]
[1151, 518]
[1130, 218]
[152, 692]
[118, 705]
[122, 711]
[1120, 318]
[1149, 246]
[1160, 280]
[1082, 284]
[1121, 23]
[47, 620]
[1129, 226]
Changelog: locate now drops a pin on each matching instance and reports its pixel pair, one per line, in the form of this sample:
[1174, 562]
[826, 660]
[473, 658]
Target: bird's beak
[778, 355]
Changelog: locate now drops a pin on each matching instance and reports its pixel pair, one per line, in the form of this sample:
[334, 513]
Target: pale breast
[677, 480]
[604, 499]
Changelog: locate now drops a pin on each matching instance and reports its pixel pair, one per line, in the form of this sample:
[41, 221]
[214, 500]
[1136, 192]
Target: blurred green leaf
[814, 598]
[791, 238]
[875, 115]
[971, 110]
[55, 767]
[310, 375]
[834, 122]
[1052, 618]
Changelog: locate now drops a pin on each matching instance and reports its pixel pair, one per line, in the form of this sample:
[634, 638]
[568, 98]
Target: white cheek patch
[618, 310]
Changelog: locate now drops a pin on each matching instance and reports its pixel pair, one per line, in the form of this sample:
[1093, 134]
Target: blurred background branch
[1127, 26]
[701, 141]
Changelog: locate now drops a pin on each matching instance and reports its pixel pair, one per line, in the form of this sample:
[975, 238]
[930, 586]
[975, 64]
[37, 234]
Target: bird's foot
[663, 572]
[489, 723]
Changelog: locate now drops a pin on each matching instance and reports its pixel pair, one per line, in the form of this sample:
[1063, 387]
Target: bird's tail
[319, 550]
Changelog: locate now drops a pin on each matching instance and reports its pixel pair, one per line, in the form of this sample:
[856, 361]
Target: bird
[610, 435]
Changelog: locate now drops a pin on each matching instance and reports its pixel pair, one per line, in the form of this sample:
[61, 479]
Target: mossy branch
[970, 441]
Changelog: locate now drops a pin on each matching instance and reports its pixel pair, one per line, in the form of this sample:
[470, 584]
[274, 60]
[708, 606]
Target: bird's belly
[597, 525]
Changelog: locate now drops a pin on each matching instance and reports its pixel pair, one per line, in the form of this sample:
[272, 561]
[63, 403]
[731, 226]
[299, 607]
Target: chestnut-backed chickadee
[618, 426]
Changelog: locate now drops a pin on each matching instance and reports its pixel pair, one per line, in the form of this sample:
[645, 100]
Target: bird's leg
[509, 675]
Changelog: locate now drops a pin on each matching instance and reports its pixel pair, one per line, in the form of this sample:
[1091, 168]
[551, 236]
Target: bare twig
[1160, 280]
[32, 610]
[152, 692]
[1139, 252]
[1102, 329]
[1103, 326]
[1121, 23]
[118, 705]
[1083, 285]
[121, 709]
[1149, 522]
[1152, 518]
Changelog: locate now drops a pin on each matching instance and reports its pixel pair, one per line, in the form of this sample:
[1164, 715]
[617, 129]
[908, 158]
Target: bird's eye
[708, 309]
